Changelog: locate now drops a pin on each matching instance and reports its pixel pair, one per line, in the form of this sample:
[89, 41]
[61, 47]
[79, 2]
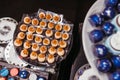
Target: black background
[73, 10]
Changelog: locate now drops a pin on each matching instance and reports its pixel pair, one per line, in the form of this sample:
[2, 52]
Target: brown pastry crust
[27, 20]
[56, 18]
[33, 55]
[30, 37]
[58, 27]
[52, 50]
[41, 57]
[23, 27]
[31, 29]
[41, 15]
[66, 28]
[43, 24]
[48, 16]
[49, 33]
[46, 41]
[35, 21]
[43, 49]
[62, 44]
[18, 42]
[58, 35]
[60, 51]
[38, 39]
[27, 45]
[21, 35]
[51, 25]
[39, 30]
[65, 36]
[54, 43]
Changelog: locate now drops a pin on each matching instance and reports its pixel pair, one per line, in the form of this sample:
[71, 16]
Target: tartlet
[58, 35]
[52, 50]
[66, 27]
[54, 43]
[38, 39]
[18, 42]
[21, 35]
[33, 56]
[50, 58]
[49, 33]
[46, 41]
[43, 49]
[60, 51]
[58, 27]
[62, 44]
[56, 18]
[23, 27]
[27, 45]
[31, 29]
[30, 37]
[41, 57]
[35, 47]
[24, 53]
[35, 22]
[49, 16]
[41, 15]
[39, 30]
[43, 24]
[65, 36]
[51, 25]
[27, 20]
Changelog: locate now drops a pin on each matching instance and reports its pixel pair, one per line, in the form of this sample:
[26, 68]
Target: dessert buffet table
[73, 10]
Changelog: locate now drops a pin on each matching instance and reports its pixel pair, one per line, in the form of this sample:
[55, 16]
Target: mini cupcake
[24, 53]
[48, 16]
[51, 25]
[27, 20]
[46, 41]
[17, 42]
[50, 58]
[66, 28]
[31, 29]
[33, 55]
[56, 18]
[65, 36]
[43, 24]
[58, 27]
[35, 22]
[41, 57]
[41, 15]
[27, 45]
[52, 50]
[60, 51]
[54, 43]
[39, 30]
[58, 35]
[21, 35]
[30, 37]
[35, 47]
[49, 33]
[23, 27]
[62, 44]
[43, 49]
[38, 39]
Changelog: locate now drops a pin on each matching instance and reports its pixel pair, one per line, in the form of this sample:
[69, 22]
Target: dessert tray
[101, 40]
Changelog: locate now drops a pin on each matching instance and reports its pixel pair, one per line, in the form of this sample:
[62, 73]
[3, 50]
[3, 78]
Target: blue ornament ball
[111, 3]
[23, 74]
[116, 75]
[116, 61]
[104, 65]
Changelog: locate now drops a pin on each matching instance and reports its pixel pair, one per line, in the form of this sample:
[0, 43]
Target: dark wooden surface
[73, 10]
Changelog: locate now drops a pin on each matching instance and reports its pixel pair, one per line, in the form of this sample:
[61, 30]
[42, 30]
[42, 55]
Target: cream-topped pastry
[27, 45]
[49, 33]
[24, 53]
[41, 15]
[58, 27]
[52, 50]
[21, 35]
[43, 49]
[62, 44]
[41, 57]
[23, 27]
[46, 41]
[39, 30]
[60, 51]
[65, 36]
[30, 37]
[31, 29]
[51, 25]
[50, 58]
[18, 42]
[38, 39]
[27, 20]
[66, 27]
[58, 35]
[48, 16]
[35, 22]
[35, 47]
[54, 43]
[56, 18]
[33, 55]
[115, 41]
[43, 24]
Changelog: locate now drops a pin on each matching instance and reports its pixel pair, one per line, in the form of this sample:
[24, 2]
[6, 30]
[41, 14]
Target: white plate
[97, 7]
[11, 56]
[7, 28]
